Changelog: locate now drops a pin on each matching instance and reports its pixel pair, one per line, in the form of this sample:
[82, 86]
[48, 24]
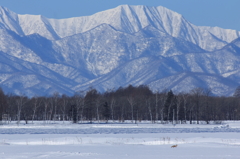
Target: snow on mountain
[9, 20]
[186, 81]
[117, 47]
[104, 48]
[22, 77]
[10, 44]
[37, 24]
[125, 18]
[131, 19]
[180, 73]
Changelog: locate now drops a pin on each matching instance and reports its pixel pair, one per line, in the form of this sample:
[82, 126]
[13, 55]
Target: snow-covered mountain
[117, 47]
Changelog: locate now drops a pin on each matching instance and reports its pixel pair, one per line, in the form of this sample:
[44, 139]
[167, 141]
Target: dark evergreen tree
[90, 102]
[106, 111]
[73, 113]
[237, 92]
[3, 104]
[168, 105]
[197, 100]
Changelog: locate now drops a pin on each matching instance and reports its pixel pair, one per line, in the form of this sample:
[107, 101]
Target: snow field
[105, 141]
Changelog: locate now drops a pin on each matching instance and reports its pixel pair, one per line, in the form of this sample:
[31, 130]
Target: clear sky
[222, 13]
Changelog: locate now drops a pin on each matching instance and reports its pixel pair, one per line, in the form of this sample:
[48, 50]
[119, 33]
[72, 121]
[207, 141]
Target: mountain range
[125, 45]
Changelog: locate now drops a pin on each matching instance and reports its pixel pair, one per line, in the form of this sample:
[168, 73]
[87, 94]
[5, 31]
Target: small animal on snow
[174, 146]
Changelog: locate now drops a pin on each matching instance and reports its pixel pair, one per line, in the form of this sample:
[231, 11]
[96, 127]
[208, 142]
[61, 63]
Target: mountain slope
[104, 48]
[218, 70]
[117, 47]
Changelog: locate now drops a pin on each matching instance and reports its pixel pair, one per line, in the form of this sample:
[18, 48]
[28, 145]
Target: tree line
[130, 103]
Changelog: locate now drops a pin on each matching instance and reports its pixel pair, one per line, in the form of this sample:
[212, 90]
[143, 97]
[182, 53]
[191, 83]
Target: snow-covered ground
[120, 141]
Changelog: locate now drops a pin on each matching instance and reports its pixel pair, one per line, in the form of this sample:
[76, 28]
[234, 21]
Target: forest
[130, 103]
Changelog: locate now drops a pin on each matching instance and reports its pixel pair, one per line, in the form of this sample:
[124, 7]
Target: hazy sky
[222, 13]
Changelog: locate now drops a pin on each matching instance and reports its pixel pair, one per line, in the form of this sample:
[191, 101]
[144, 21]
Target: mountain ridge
[50, 29]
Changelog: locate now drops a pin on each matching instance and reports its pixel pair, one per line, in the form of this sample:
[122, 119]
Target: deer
[173, 146]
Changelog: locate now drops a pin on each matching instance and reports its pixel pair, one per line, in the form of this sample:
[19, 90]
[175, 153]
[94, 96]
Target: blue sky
[222, 13]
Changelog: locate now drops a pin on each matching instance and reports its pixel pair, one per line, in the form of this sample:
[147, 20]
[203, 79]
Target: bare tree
[63, 105]
[162, 98]
[179, 101]
[79, 101]
[185, 98]
[112, 107]
[36, 101]
[131, 102]
[46, 112]
[54, 101]
[98, 104]
[20, 101]
[148, 103]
